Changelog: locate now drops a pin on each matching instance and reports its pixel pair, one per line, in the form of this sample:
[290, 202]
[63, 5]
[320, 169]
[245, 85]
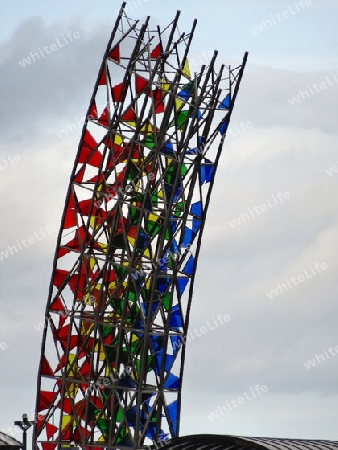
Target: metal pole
[24, 440]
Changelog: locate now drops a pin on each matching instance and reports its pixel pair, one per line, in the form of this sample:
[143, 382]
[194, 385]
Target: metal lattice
[121, 290]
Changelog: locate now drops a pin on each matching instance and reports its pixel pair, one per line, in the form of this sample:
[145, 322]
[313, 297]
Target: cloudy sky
[273, 214]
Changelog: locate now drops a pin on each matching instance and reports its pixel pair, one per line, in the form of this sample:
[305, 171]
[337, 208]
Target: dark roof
[8, 441]
[223, 442]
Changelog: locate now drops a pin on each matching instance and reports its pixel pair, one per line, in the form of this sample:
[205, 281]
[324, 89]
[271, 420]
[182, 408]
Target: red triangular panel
[45, 400]
[50, 430]
[87, 156]
[85, 369]
[67, 406]
[59, 278]
[103, 77]
[45, 367]
[70, 219]
[115, 54]
[79, 176]
[93, 111]
[39, 421]
[129, 116]
[104, 118]
[141, 84]
[62, 320]
[89, 141]
[57, 305]
[156, 94]
[48, 446]
[62, 252]
[156, 52]
[119, 92]
[71, 203]
[78, 437]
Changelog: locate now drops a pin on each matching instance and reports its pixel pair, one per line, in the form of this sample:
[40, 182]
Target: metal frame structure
[117, 314]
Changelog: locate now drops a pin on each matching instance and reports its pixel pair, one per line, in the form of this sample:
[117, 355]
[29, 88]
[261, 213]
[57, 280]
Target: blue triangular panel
[189, 267]
[176, 343]
[168, 362]
[196, 223]
[172, 411]
[206, 172]
[162, 284]
[172, 382]
[167, 149]
[196, 209]
[188, 237]
[225, 103]
[184, 94]
[223, 127]
[182, 283]
[175, 317]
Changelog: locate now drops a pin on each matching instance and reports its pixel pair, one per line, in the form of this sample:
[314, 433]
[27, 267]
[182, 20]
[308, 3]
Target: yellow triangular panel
[146, 254]
[132, 124]
[186, 69]
[103, 247]
[165, 86]
[153, 217]
[118, 139]
[178, 103]
[66, 421]
[147, 128]
[102, 356]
